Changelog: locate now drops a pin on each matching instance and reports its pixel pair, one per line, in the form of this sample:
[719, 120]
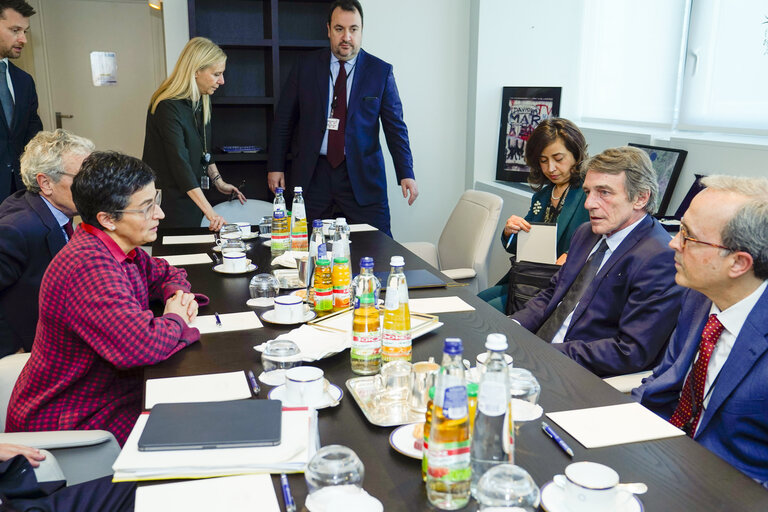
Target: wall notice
[104, 68]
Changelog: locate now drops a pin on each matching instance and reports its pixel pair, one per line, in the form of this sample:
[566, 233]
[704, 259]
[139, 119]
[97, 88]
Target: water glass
[523, 385]
[334, 465]
[508, 487]
[264, 288]
[280, 355]
[265, 225]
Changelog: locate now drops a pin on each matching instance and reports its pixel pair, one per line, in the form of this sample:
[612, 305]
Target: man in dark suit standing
[335, 99]
[34, 225]
[19, 121]
[613, 304]
[713, 380]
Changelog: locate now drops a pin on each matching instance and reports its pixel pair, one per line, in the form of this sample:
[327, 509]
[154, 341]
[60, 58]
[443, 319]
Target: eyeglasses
[684, 236]
[149, 210]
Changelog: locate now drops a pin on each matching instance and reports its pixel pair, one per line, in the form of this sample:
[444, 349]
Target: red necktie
[335, 151]
[690, 407]
[68, 229]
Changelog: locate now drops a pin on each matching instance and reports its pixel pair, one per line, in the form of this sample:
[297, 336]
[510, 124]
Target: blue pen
[218, 320]
[254, 384]
[556, 438]
[290, 506]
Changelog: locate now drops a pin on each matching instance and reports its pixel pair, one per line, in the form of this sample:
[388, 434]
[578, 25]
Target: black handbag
[526, 280]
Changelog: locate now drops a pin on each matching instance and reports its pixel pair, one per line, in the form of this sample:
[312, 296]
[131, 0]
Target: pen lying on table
[556, 438]
[290, 506]
[218, 320]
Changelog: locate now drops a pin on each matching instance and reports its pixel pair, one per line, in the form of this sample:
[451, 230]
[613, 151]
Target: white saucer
[260, 303]
[249, 236]
[330, 399]
[266, 235]
[274, 378]
[402, 440]
[268, 243]
[269, 316]
[220, 269]
[525, 411]
[553, 500]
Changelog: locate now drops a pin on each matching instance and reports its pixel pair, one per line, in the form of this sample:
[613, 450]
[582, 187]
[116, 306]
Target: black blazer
[26, 123]
[30, 237]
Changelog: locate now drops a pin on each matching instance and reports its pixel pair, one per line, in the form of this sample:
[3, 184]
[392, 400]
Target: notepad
[214, 387]
[229, 424]
[187, 259]
[188, 239]
[431, 306]
[539, 245]
[229, 322]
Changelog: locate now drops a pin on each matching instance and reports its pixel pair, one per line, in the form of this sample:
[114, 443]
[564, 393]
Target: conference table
[680, 474]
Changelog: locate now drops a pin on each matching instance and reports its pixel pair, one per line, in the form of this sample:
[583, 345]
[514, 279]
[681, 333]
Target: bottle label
[340, 297]
[323, 299]
[366, 344]
[399, 339]
[449, 462]
[455, 402]
[490, 398]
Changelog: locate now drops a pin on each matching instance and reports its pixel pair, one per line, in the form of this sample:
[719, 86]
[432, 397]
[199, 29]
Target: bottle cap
[323, 262]
[496, 342]
[278, 190]
[279, 214]
[472, 388]
[340, 260]
[452, 346]
[432, 392]
[341, 220]
[317, 223]
[366, 262]
[397, 261]
[298, 189]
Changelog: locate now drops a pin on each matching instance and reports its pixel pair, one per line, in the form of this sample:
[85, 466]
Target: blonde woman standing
[177, 143]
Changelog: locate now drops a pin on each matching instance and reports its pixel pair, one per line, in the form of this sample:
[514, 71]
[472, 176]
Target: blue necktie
[5, 94]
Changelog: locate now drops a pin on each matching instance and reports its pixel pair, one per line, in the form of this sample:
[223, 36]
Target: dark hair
[346, 5]
[19, 6]
[106, 182]
[548, 132]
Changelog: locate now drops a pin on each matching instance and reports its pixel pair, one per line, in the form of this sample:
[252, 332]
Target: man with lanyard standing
[338, 159]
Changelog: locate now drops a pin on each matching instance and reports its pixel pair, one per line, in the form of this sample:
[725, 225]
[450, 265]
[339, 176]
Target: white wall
[176, 26]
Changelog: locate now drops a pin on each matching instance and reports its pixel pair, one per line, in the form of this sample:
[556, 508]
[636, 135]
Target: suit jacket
[735, 423]
[623, 321]
[26, 123]
[304, 107]
[571, 216]
[31, 237]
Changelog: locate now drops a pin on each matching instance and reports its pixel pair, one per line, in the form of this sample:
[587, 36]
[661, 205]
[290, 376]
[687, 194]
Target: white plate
[330, 399]
[250, 236]
[257, 303]
[525, 411]
[273, 378]
[553, 500]
[266, 235]
[402, 440]
[269, 316]
[220, 269]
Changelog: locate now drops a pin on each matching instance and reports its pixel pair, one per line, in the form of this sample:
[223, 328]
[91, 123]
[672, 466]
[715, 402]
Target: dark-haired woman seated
[554, 152]
[95, 330]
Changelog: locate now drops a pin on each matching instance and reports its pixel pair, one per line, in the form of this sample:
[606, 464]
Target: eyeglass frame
[685, 239]
[149, 209]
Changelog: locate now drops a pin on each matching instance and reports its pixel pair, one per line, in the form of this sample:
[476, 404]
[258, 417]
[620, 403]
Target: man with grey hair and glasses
[713, 380]
[612, 306]
[34, 225]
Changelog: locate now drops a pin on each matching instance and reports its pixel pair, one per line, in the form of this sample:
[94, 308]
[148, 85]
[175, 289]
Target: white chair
[464, 247]
[82, 455]
[232, 211]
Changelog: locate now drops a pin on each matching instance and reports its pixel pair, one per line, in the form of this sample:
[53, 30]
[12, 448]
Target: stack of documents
[213, 387]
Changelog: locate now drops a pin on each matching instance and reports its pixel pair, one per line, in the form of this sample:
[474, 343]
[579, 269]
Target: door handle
[60, 116]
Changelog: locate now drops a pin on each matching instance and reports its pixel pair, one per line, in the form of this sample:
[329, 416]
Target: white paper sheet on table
[212, 387]
[434, 305]
[189, 239]
[229, 322]
[243, 493]
[539, 245]
[628, 382]
[357, 228]
[597, 427]
[187, 259]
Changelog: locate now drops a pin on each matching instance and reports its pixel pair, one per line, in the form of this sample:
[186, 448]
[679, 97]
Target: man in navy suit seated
[613, 304]
[33, 228]
[713, 380]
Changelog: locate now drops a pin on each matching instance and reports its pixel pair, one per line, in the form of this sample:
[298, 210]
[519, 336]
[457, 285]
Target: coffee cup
[482, 356]
[591, 487]
[235, 261]
[392, 381]
[422, 378]
[245, 227]
[304, 385]
[289, 309]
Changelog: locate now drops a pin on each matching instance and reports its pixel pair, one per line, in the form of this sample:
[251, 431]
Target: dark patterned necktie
[68, 229]
[572, 297]
[690, 407]
[5, 94]
[335, 152]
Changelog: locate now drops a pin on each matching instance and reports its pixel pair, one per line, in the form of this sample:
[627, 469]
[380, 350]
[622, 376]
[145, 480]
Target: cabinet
[262, 40]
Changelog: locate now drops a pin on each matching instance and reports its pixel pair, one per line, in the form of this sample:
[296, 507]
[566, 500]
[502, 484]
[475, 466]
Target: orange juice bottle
[342, 277]
[396, 334]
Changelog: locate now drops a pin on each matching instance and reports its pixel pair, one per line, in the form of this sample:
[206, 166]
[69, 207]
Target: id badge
[205, 182]
[333, 124]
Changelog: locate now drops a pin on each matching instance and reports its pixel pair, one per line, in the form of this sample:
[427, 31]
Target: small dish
[301, 292]
[249, 236]
[331, 397]
[274, 378]
[553, 500]
[525, 411]
[268, 236]
[269, 316]
[268, 242]
[220, 269]
[403, 441]
[262, 302]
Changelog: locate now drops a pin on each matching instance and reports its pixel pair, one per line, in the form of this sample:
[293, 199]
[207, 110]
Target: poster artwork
[524, 116]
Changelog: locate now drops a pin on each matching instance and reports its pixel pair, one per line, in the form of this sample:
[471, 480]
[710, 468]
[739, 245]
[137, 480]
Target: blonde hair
[199, 53]
[44, 155]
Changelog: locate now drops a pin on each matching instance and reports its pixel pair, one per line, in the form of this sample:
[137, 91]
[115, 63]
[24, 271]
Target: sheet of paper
[187, 259]
[597, 427]
[189, 239]
[628, 382]
[435, 305]
[539, 245]
[244, 493]
[357, 228]
[229, 322]
[197, 388]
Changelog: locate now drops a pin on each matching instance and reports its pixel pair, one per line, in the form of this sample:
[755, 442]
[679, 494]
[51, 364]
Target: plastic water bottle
[280, 233]
[299, 239]
[448, 464]
[317, 241]
[396, 336]
[279, 202]
[365, 353]
[341, 239]
[492, 421]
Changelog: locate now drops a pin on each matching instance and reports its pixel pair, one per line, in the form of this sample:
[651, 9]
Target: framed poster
[667, 163]
[522, 109]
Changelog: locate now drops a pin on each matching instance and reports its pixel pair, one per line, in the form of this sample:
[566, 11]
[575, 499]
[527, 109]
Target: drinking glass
[334, 465]
[523, 385]
[508, 487]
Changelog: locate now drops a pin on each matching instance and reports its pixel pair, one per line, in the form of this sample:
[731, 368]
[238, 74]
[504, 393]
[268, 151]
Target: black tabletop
[681, 474]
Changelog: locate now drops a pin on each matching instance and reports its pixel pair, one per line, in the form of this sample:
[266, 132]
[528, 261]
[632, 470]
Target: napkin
[288, 259]
[314, 343]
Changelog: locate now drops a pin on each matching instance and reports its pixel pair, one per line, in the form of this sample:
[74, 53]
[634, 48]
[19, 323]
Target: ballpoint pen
[290, 506]
[556, 438]
[218, 320]
[254, 383]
